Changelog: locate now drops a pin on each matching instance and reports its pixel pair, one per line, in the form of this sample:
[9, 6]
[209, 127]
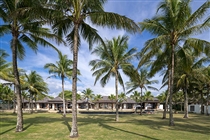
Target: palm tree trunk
[185, 104]
[116, 91]
[64, 107]
[32, 106]
[136, 108]
[74, 130]
[29, 104]
[14, 105]
[8, 108]
[19, 126]
[202, 108]
[171, 119]
[181, 106]
[207, 102]
[166, 105]
[87, 105]
[35, 98]
[141, 103]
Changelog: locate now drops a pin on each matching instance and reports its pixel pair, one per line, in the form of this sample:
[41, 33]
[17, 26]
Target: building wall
[196, 108]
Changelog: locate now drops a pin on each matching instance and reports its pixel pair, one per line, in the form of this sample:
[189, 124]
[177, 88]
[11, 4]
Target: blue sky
[137, 10]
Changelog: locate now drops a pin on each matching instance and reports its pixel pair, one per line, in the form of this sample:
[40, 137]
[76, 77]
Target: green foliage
[88, 94]
[61, 68]
[35, 85]
[148, 96]
[135, 96]
[5, 67]
[114, 55]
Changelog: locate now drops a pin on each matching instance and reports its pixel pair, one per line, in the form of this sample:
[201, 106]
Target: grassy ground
[52, 126]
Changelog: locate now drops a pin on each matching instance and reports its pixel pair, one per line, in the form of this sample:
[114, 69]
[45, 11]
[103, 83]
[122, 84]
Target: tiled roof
[105, 99]
[45, 100]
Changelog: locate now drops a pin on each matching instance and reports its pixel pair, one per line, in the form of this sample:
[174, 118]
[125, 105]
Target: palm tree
[73, 23]
[113, 57]
[178, 97]
[112, 98]
[25, 96]
[35, 85]
[122, 97]
[97, 98]
[163, 97]
[67, 96]
[189, 69]
[5, 67]
[148, 96]
[136, 97]
[140, 80]
[207, 73]
[23, 20]
[7, 95]
[62, 69]
[88, 95]
[174, 25]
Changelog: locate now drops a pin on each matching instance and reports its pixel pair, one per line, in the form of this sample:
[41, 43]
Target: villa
[103, 104]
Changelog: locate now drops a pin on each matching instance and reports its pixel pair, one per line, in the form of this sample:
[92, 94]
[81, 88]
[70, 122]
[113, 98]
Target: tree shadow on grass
[125, 131]
[190, 125]
[7, 130]
[65, 122]
[25, 128]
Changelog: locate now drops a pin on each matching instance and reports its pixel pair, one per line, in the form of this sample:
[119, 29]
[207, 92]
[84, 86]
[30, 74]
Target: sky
[138, 10]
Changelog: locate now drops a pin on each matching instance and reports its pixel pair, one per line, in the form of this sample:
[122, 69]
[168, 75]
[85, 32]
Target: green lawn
[51, 126]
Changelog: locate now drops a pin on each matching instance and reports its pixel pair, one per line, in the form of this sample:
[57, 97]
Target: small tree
[136, 97]
[112, 98]
[88, 95]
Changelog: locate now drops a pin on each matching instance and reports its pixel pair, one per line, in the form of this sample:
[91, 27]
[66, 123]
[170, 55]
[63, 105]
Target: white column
[53, 106]
[38, 106]
[125, 106]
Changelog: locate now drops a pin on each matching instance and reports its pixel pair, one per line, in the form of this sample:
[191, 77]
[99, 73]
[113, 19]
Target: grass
[51, 126]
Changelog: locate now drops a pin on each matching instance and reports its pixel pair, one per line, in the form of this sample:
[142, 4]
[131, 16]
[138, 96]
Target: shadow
[111, 127]
[66, 123]
[7, 130]
[195, 124]
[25, 128]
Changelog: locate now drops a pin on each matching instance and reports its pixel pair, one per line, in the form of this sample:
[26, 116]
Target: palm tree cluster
[174, 45]
[174, 51]
[7, 95]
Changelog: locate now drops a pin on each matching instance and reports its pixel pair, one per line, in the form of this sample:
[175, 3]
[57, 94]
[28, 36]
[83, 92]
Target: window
[192, 108]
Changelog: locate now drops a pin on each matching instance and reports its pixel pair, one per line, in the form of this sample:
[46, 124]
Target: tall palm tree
[140, 80]
[207, 73]
[175, 24]
[88, 95]
[73, 23]
[23, 19]
[112, 97]
[189, 69]
[114, 56]
[35, 85]
[136, 97]
[62, 69]
[163, 98]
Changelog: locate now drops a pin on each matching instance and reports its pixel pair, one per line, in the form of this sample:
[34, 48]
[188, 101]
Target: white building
[196, 108]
